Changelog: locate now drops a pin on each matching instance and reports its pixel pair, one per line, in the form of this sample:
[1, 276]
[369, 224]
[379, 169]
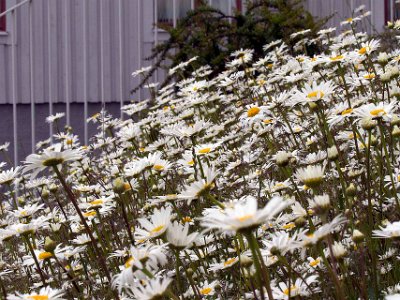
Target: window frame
[3, 20]
[196, 3]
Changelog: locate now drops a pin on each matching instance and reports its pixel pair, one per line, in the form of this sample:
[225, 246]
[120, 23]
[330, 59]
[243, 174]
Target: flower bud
[282, 158]
[395, 120]
[45, 193]
[351, 190]
[374, 141]
[118, 185]
[53, 188]
[189, 272]
[333, 153]
[300, 222]
[358, 236]
[245, 261]
[368, 123]
[396, 131]
[49, 244]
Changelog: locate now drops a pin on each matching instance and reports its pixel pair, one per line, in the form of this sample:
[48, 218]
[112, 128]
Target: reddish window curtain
[2, 19]
[239, 5]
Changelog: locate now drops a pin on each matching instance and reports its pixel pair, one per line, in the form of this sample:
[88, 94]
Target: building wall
[58, 54]
[340, 10]
[62, 57]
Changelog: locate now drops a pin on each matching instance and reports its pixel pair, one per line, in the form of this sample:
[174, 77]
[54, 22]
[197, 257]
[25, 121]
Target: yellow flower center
[279, 185]
[190, 163]
[289, 290]
[205, 291]
[349, 20]
[39, 297]
[97, 202]
[289, 226]
[91, 213]
[157, 229]
[369, 76]
[186, 220]
[316, 94]
[44, 255]
[378, 112]
[129, 262]
[244, 218]
[229, 262]
[315, 262]
[347, 111]
[158, 167]
[261, 82]
[270, 66]
[23, 213]
[253, 111]
[205, 150]
[336, 58]
[127, 186]
[363, 50]
[267, 121]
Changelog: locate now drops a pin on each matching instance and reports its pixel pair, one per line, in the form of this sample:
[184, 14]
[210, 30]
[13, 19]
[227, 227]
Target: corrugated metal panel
[58, 42]
[342, 9]
[58, 50]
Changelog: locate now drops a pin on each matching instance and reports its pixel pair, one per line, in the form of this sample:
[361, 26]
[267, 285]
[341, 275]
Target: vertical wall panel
[111, 59]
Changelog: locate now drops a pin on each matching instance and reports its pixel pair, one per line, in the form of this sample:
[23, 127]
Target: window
[2, 19]
[165, 8]
[392, 10]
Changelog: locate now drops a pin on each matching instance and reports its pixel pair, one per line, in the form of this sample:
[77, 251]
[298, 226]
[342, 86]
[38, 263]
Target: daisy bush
[276, 179]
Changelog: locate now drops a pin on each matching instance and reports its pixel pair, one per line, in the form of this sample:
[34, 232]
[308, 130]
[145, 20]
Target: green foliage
[211, 35]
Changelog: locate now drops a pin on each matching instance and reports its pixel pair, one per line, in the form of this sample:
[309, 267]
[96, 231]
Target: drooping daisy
[153, 289]
[380, 110]
[311, 176]
[391, 230]
[200, 187]
[53, 118]
[206, 148]
[298, 288]
[224, 264]
[368, 47]
[178, 235]
[242, 215]
[156, 226]
[314, 92]
[50, 158]
[46, 293]
[8, 176]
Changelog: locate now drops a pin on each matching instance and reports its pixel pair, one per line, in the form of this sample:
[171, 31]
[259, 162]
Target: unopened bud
[396, 131]
[118, 185]
[351, 190]
[358, 236]
[45, 193]
[245, 261]
[49, 244]
[333, 153]
[368, 123]
[300, 222]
